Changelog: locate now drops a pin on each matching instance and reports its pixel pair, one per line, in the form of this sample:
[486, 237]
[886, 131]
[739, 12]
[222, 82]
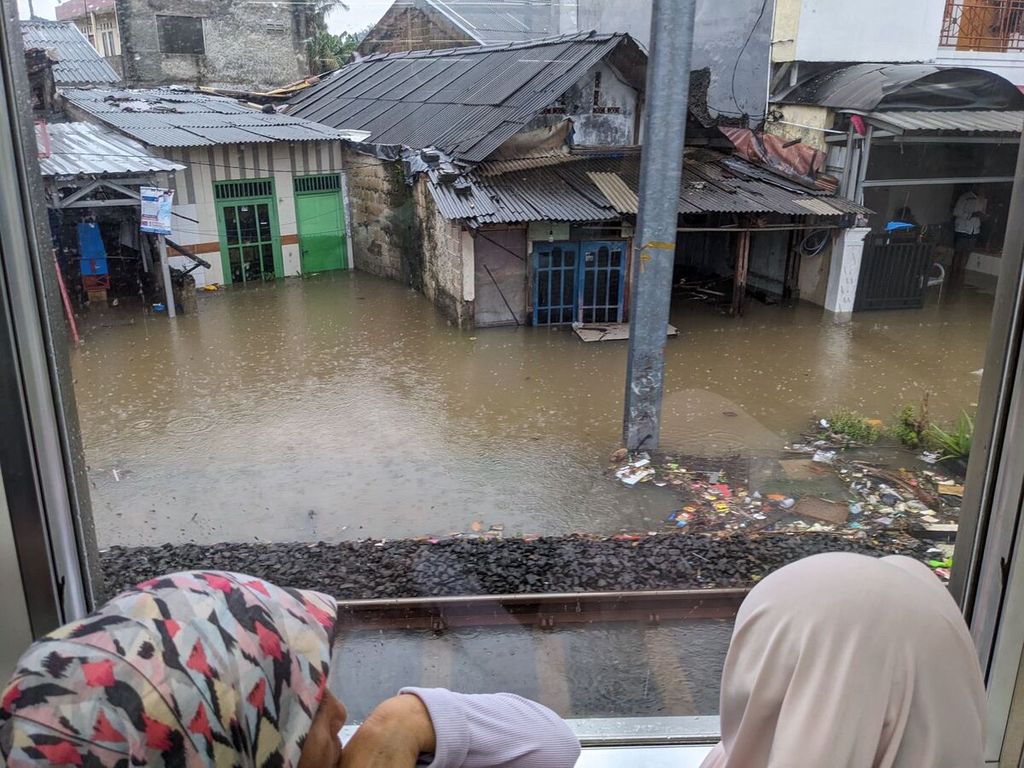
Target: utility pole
[661, 167]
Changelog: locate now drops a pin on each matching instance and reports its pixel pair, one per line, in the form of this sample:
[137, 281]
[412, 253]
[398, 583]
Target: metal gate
[554, 283]
[602, 282]
[579, 282]
[893, 275]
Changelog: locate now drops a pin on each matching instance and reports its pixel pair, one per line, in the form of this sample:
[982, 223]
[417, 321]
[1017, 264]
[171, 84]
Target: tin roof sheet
[596, 187]
[78, 63]
[167, 117]
[946, 122]
[86, 149]
[464, 101]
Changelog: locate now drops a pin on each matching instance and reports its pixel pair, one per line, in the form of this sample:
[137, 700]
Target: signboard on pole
[156, 210]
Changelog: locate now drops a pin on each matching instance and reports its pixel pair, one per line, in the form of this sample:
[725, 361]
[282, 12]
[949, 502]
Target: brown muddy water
[344, 407]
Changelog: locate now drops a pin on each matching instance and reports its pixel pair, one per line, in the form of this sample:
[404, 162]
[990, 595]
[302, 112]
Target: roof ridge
[592, 35]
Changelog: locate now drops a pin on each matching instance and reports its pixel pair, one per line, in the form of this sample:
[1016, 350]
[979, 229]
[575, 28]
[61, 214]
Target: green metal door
[321, 219]
[250, 239]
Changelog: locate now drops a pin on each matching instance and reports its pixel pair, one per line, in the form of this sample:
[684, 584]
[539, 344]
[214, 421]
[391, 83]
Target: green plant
[955, 444]
[912, 424]
[854, 427]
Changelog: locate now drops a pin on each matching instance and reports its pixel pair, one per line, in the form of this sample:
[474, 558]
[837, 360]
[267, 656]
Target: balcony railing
[983, 25]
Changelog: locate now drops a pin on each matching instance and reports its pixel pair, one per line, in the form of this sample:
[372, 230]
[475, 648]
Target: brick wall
[412, 29]
[397, 233]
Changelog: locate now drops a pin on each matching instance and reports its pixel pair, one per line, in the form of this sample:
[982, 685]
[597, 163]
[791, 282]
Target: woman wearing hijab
[846, 661]
[222, 669]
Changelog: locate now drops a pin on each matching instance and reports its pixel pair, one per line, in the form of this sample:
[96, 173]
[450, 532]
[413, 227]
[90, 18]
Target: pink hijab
[846, 661]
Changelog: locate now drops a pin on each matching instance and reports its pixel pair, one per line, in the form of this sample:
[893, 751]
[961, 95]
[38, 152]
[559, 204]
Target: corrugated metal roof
[594, 187]
[867, 87]
[78, 63]
[86, 149]
[167, 117]
[464, 101]
[950, 121]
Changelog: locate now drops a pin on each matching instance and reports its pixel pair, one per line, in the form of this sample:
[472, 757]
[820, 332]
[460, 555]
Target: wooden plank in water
[611, 332]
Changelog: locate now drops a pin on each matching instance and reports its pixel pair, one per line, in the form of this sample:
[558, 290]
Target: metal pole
[661, 167]
[165, 271]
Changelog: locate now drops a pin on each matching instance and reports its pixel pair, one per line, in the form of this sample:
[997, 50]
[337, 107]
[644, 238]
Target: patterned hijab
[190, 669]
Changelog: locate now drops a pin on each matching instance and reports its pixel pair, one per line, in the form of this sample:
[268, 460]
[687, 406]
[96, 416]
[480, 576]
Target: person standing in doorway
[967, 217]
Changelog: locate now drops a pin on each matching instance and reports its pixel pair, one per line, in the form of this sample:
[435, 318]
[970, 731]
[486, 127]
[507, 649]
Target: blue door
[579, 282]
[554, 283]
[602, 282]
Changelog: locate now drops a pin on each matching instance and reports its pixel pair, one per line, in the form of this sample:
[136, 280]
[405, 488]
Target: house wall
[248, 44]
[501, 259]
[195, 222]
[398, 233]
[406, 28]
[798, 121]
[597, 128]
[720, 30]
[871, 30]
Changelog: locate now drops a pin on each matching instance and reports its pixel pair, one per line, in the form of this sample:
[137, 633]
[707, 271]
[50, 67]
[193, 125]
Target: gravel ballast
[418, 568]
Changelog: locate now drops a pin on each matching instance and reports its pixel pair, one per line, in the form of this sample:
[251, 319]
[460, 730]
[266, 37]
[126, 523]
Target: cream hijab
[845, 661]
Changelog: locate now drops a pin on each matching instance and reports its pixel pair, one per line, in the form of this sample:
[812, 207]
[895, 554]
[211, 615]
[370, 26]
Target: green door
[321, 221]
[250, 240]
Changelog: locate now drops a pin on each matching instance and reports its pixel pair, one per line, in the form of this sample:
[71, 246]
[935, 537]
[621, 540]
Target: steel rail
[541, 610]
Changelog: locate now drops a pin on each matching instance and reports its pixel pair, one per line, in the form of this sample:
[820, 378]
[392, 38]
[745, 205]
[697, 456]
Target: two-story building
[918, 108]
[98, 21]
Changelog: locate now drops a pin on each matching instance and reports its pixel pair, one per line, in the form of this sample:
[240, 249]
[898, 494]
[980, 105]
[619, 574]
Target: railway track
[545, 611]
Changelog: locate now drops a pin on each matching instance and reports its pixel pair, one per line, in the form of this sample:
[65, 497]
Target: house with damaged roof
[501, 181]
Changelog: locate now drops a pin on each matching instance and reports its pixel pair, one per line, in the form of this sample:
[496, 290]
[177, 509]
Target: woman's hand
[395, 734]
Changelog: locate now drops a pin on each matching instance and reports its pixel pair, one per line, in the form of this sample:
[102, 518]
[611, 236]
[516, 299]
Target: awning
[949, 122]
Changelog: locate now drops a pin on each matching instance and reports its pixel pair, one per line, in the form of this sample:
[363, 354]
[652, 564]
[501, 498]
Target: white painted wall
[206, 165]
[869, 30]
[1009, 65]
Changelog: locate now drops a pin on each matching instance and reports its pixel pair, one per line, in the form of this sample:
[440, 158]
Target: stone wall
[398, 233]
[246, 44]
[447, 260]
[406, 28]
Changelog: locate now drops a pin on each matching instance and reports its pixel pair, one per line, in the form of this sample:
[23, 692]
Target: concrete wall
[398, 233]
[795, 121]
[871, 30]
[614, 122]
[248, 44]
[195, 224]
[721, 31]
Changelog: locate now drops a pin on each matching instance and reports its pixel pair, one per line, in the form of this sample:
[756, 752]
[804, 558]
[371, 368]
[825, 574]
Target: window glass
[374, 337]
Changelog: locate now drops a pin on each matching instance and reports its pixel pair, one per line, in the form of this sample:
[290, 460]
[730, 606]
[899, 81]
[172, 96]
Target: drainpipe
[661, 166]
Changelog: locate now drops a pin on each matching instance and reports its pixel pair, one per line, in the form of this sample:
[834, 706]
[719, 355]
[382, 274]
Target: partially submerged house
[260, 194]
[501, 181]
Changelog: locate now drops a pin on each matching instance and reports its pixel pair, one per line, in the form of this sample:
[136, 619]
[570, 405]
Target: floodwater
[343, 406]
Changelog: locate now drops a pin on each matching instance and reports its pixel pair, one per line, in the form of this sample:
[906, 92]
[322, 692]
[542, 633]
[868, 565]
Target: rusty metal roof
[77, 62]
[602, 187]
[86, 149]
[464, 101]
[168, 117]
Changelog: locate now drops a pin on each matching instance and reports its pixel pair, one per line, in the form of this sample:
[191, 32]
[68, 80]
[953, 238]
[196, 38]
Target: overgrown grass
[854, 427]
[954, 444]
[911, 427]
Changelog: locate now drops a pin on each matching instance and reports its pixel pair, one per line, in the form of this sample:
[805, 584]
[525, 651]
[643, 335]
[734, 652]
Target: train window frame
[51, 521]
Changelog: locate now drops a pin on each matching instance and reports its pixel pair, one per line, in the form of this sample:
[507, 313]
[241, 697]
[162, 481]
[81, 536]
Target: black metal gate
[893, 275]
